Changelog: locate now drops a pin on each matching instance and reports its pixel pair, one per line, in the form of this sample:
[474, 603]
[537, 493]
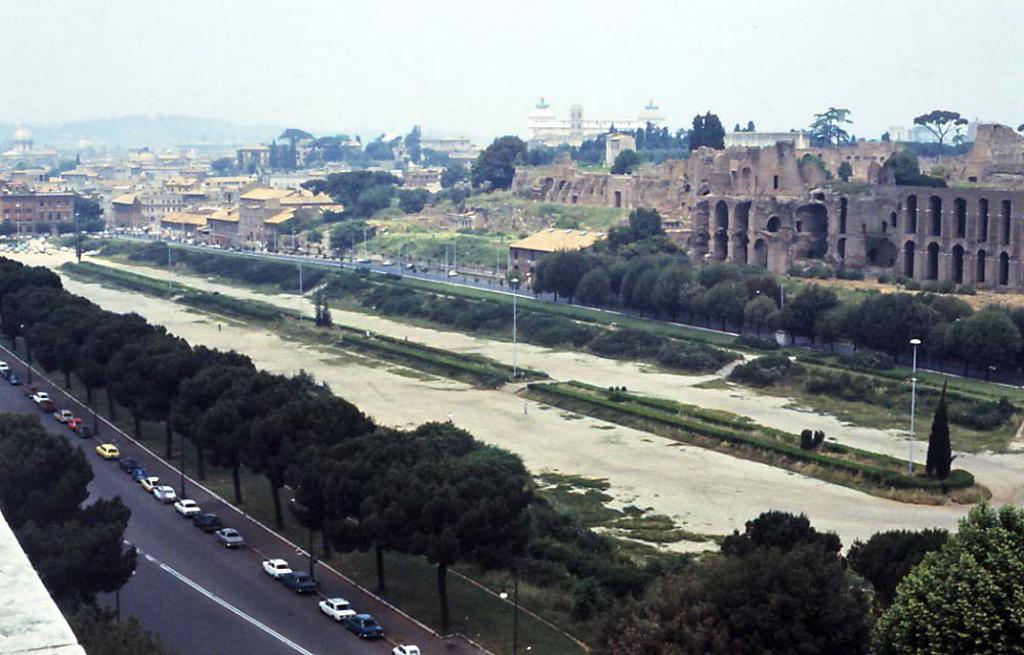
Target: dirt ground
[705, 491]
[979, 300]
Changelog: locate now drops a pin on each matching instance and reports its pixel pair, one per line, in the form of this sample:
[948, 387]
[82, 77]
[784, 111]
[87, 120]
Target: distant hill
[139, 130]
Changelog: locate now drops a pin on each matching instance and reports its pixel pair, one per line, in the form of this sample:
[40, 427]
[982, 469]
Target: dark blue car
[139, 474]
[299, 581]
[14, 380]
[364, 626]
[128, 465]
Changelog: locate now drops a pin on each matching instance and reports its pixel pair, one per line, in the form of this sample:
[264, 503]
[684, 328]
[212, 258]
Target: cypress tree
[940, 454]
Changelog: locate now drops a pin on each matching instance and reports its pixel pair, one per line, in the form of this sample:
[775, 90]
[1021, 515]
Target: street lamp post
[181, 467]
[78, 239]
[515, 612]
[515, 296]
[913, 404]
[28, 354]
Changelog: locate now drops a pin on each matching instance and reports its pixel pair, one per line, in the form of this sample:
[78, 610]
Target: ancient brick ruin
[775, 207]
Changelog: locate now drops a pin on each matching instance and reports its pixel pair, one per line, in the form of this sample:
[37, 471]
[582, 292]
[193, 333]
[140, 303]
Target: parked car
[63, 415]
[86, 432]
[165, 493]
[128, 464]
[42, 401]
[14, 379]
[30, 391]
[108, 451]
[276, 568]
[300, 582]
[338, 609]
[149, 483]
[229, 537]
[364, 626]
[207, 522]
[5, 369]
[74, 424]
[453, 273]
[187, 507]
[139, 474]
[405, 650]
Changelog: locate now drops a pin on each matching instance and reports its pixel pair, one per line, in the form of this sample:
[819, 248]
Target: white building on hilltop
[545, 128]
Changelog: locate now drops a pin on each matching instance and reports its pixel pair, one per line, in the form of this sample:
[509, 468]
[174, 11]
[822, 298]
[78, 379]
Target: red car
[74, 423]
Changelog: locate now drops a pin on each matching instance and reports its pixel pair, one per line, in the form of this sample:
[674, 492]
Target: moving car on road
[207, 522]
[300, 582]
[164, 493]
[229, 537]
[338, 609]
[14, 379]
[63, 415]
[42, 401]
[108, 451]
[127, 464]
[5, 369]
[276, 568]
[364, 626]
[86, 432]
[149, 483]
[139, 474]
[74, 424]
[187, 507]
[405, 650]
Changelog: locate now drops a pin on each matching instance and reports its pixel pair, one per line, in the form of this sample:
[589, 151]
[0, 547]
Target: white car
[150, 483]
[4, 369]
[405, 650]
[40, 397]
[165, 493]
[337, 608]
[63, 415]
[453, 273]
[275, 568]
[187, 507]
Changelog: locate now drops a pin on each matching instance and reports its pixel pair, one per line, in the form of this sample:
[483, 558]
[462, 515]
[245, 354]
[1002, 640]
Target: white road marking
[231, 608]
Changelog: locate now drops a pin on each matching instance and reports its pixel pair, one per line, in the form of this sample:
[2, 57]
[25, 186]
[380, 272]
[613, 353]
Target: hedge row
[958, 479]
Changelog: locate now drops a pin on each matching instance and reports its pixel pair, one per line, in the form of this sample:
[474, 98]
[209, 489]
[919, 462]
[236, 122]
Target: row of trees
[76, 550]
[434, 491]
[636, 269]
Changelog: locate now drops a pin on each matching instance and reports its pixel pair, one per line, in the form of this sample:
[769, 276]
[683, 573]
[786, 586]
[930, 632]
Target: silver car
[229, 537]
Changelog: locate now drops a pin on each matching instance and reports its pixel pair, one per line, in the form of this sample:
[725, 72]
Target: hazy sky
[478, 67]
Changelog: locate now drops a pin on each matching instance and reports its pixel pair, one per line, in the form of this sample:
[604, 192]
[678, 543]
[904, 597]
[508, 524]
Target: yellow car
[108, 451]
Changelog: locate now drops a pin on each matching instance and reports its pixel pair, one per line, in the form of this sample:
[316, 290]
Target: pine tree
[940, 453]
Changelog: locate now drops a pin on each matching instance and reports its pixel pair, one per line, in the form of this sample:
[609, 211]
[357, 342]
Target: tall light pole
[913, 404]
[28, 353]
[181, 467]
[515, 295]
[515, 612]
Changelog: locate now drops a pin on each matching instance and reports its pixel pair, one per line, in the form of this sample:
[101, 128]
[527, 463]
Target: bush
[841, 385]
[811, 440]
[628, 343]
[757, 343]
[692, 357]
[936, 286]
[912, 285]
[763, 371]
[849, 274]
[984, 415]
[885, 278]
[867, 360]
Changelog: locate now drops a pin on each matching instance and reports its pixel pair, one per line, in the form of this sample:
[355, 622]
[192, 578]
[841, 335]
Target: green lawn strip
[412, 580]
[858, 468]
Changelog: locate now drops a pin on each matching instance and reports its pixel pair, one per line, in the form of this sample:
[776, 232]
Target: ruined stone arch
[841, 250]
[882, 252]
[935, 210]
[910, 225]
[960, 214]
[932, 268]
[983, 220]
[958, 264]
[760, 253]
[908, 258]
[721, 215]
[1004, 269]
[741, 216]
[1004, 215]
[774, 224]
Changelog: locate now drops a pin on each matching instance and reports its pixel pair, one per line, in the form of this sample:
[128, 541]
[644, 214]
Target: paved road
[202, 598]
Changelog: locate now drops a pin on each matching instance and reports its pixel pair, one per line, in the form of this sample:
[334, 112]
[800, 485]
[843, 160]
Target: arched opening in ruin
[760, 253]
[935, 209]
[721, 215]
[618, 199]
[721, 246]
[774, 224]
[741, 216]
[881, 253]
[983, 220]
[960, 210]
[932, 271]
[841, 250]
[746, 180]
[843, 205]
[958, 264]
[1005, 215]
[814, 218]
[1004, 269]
[739, 248]
[911, 222]
[980, 274]
[561, 184]
[908, 259]
[894, 220]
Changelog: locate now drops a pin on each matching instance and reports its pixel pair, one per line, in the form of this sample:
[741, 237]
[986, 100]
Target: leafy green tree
[845, 171]
[965, 598]
[378, 150]
[906, 171]
[827, 127]
[940, 453]
[941, 123]
[594, 287]
[495, 167]
[780, 530]
[412, 201]
[757, 312]
[801, 313]
[986, 338]
[726, 301]
[707, 132]
[887, 557]
[345, 188]
[561, 273]
[412, 144]
[100, 634]
[452, 175]
[668, 286]
[223, 166]
[348, 234]
[625, 162]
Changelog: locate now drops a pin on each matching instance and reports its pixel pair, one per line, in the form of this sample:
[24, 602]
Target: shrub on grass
[984, 415]
[692, 357]
[867, 360]
[763, 371]
[627, 343]
[757, 343]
